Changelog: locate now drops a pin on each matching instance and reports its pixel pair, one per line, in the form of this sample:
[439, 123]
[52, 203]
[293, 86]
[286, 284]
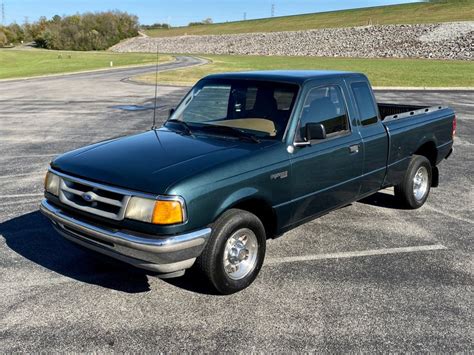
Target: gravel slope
[439, 41]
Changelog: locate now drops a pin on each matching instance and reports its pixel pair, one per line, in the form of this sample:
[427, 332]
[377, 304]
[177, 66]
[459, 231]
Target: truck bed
[395, 111]
[410, 128]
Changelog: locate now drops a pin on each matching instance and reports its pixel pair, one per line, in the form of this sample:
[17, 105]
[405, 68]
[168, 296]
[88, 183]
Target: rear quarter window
[284, 98]
[365, 103]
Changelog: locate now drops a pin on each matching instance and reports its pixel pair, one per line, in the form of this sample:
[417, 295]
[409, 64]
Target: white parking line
[448, 214]
[21, 195]
[18, 203]
[18, 175]
[353, 254]
[28, 156]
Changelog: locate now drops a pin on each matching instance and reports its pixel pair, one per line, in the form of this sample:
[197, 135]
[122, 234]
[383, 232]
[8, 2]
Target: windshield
[258, 108]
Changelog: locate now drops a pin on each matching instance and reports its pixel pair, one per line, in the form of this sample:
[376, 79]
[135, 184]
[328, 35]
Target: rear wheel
[415, 187]
[235, 251]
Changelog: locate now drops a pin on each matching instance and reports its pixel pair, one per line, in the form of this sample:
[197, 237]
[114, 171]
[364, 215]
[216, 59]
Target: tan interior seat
[255, 124]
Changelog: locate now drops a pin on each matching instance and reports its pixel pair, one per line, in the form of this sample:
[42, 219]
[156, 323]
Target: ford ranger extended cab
[244, 157]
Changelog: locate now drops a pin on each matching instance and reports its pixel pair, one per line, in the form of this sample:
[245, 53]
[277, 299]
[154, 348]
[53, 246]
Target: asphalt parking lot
[367, 277]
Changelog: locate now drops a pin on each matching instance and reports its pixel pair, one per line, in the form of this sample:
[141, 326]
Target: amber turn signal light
[162, 210]
[167, 212]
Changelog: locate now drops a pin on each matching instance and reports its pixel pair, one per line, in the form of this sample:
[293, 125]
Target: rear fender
[427, 139]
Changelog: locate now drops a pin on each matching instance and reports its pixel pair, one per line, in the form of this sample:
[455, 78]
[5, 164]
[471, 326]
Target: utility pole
[245, 16]
[3, 14]
[273, 9]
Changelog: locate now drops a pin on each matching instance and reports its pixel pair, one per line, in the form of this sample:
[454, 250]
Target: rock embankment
[439, 41]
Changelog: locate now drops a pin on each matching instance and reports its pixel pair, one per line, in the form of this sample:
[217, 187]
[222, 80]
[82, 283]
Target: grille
[93, 198]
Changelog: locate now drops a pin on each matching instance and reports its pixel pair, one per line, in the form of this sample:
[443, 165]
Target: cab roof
[289, 76]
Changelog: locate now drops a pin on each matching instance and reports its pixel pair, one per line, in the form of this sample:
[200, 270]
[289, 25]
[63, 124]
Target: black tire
[405, 191]
[211, 263]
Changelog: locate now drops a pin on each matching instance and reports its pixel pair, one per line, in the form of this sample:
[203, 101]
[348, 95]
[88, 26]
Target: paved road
[56, 297]
[117, 74]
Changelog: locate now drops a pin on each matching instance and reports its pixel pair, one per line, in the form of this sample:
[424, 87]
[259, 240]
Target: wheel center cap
[243, 254]
[238, 253]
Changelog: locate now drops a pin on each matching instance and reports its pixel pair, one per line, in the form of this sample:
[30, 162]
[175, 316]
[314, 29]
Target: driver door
[325, 172]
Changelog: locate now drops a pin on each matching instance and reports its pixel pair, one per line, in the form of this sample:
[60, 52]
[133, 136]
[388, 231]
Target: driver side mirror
[172, 110]
[315, 131]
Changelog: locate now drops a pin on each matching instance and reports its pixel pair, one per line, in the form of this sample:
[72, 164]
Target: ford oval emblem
[87, 196]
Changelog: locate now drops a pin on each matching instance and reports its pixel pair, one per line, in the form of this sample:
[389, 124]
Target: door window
[325, 105]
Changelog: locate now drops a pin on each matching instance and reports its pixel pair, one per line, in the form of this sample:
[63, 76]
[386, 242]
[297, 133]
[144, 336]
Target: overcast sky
[179, 12]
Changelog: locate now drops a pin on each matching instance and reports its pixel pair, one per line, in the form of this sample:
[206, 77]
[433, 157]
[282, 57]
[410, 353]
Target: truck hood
[151, 161]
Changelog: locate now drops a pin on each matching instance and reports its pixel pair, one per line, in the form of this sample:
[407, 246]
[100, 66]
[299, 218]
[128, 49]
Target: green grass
[23, 63]
[381, 72]
[453, 10]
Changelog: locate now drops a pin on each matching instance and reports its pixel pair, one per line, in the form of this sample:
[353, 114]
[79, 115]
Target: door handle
[353, 149]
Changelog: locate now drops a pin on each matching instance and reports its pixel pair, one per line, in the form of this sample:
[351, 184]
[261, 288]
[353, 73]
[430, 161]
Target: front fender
[240, 195]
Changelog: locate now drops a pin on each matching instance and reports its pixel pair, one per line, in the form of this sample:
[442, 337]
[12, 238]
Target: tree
[89, 31]
[3, 39]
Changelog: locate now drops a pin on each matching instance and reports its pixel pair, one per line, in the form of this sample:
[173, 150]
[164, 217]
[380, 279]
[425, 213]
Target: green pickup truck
[243, 158]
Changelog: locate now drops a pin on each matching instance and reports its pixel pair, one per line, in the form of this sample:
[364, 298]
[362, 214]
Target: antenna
[3, 13]
[273, 9]
[156, 89]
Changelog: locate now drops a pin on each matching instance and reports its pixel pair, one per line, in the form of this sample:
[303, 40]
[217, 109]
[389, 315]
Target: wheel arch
[430, 152]
[249, 199]
[428, 149]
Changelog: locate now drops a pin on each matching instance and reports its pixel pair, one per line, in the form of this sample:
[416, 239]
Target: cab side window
[365, 103]
[325, 105]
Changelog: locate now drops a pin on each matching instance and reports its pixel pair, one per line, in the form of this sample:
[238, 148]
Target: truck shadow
[32, 236]
[382, 199]
[193, 281]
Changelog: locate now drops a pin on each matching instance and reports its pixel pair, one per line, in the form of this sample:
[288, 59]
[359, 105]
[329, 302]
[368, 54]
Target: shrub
[156, 25]
[207, 21]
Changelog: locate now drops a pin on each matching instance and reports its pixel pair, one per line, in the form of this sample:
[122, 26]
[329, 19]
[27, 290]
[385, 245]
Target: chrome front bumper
[166, 255]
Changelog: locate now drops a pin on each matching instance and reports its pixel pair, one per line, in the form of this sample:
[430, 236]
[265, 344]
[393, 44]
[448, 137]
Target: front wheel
[415, 187]
[235, 251]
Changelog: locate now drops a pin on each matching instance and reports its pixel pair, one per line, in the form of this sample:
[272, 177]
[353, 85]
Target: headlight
[165, 210]
[51, 183]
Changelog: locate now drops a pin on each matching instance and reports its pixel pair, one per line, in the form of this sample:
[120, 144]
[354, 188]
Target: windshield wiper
[185, 127]
[234, 132]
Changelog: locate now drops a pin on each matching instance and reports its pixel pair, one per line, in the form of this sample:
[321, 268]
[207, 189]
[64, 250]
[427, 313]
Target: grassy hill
[381, 72]
[452, 10]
